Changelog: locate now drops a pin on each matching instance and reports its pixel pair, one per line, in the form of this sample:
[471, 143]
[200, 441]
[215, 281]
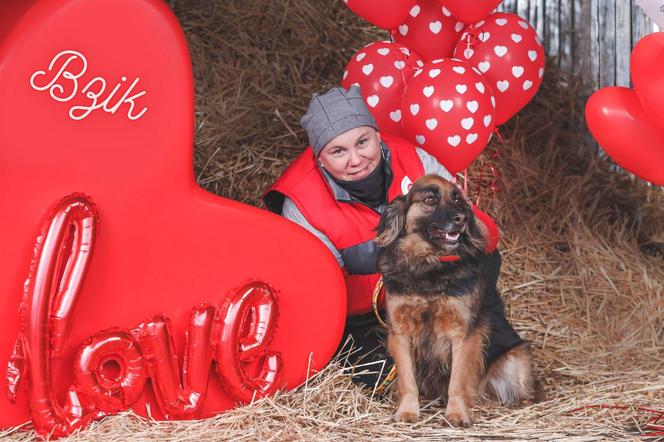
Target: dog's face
[438, 213]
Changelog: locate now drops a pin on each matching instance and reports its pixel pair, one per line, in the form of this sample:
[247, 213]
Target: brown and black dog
[448, 333]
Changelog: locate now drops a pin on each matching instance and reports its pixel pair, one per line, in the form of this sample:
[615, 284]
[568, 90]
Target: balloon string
[498, 135]
[489, 174]
[465, 180]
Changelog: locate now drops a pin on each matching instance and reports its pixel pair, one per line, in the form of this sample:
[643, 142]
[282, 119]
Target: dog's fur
[442, 315]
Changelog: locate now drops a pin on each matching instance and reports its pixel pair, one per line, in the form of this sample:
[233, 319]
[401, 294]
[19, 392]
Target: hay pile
[583, 247]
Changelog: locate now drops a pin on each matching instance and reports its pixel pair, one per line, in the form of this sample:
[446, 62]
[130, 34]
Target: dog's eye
[456, 198]
[430, 201]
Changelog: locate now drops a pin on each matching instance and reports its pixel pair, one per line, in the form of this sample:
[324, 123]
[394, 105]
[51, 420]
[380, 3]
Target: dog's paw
[458, 419]
[410, 416]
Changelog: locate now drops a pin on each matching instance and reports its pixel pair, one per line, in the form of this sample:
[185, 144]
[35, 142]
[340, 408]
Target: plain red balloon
[386, 14]
[430, 30]
[647, 69]
[448, 111]
[620, 125]
[381, 69]
[471, 11]
[506, 49]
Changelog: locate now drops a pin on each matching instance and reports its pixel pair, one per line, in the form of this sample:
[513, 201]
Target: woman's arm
[291, 212]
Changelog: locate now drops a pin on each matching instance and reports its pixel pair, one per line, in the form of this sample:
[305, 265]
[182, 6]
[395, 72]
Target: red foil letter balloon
[117, 269]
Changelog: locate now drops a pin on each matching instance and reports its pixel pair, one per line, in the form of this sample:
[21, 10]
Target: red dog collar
[449, 258]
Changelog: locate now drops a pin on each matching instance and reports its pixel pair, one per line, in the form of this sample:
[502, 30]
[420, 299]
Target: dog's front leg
[464, 378]
[409, 406]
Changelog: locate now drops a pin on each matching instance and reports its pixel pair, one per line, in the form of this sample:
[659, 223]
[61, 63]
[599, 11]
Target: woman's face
[352, 155]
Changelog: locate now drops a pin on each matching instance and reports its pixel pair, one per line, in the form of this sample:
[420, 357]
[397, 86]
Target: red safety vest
[347, 224]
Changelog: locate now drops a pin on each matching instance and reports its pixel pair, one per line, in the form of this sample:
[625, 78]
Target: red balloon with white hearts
[506, 49]
[448, 111]
[377, 12]
[381, 69]
[470, 11]
[430, 30]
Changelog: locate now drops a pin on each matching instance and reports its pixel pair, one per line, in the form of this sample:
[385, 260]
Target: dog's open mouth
[441, 236]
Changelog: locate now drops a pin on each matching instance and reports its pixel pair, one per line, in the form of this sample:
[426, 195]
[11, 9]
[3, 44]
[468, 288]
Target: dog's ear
[392, 221]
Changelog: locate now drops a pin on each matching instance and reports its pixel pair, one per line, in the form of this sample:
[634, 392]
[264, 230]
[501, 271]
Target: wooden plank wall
[591, 37]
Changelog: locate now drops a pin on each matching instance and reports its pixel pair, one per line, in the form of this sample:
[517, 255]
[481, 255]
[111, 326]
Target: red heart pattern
[98, 99]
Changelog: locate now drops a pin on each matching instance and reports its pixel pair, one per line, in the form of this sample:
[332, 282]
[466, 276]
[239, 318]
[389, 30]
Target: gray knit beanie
[333, 113]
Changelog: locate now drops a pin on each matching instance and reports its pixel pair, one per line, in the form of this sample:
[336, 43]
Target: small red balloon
[381, 69]
[448, 111]
[471, 11]
[430, 30]
[647, 70]
[384, 14]
[621, 126]
[506, 49]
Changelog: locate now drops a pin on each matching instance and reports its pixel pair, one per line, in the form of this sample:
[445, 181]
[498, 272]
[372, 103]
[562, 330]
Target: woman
[338, 188]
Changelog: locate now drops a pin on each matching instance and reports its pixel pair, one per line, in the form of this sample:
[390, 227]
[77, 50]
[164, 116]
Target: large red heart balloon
[647, 70]
[471, 12]
[381, 69]
[384, 14]
[97, 98]
[620, 125]
[448, 110]
[430, 30]
[506, 49]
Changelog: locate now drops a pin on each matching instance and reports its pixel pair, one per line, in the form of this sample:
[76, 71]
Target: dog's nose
[458, 218]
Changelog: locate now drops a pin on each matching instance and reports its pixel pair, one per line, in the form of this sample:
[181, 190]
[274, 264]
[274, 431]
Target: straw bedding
[583, 245]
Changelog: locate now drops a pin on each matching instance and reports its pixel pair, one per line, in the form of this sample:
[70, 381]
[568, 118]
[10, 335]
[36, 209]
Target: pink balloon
[470, 11]
[430, 30]
[447, 110]
[381, 69]
[506, 49]
[647, 69]
[620, 125]
[384, 14]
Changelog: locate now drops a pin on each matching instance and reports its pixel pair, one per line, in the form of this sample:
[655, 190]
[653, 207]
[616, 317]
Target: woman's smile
[352, 155]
